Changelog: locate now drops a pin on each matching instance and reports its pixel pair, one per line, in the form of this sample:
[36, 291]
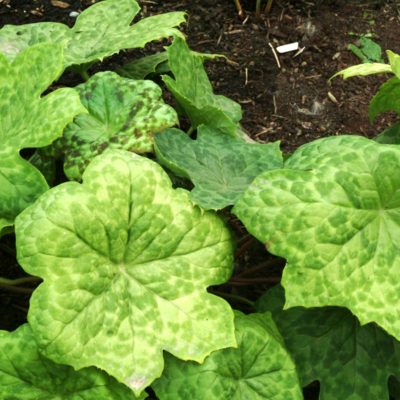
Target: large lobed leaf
[26, 375]
[100, 31]
[329, 345]
[220, 167]
[29, 120]
[259, 369]
[193, 91]
[126, 261]
[334, 215]
[122, 114]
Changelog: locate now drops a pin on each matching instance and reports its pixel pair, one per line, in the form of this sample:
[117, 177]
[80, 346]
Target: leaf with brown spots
[122, 114]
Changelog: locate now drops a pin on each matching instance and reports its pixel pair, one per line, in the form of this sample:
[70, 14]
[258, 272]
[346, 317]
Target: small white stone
[73, 14]
[288, 47]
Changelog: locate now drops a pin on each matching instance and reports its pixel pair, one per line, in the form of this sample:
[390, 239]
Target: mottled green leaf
[220, 167]
[390, 135]
[122, 114]
[126, 261]
[386, 99]
[259, 369]
[363, 70]
[100, 31]
[26, 375]
[139, 69]
[29, 120]
[329, 345]
[193, 91]
[334, 215]
[46, 165]
[154, 63]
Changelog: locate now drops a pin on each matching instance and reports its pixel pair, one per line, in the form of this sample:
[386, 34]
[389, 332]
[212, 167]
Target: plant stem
[6, 249]
[239, 8]
[268, 7]
[84, 74]
[253, 281]
[190, 130]
[234, 297]
[19, 281]
[258, 7]
[264, 265]
[17, 289]
[244, 245]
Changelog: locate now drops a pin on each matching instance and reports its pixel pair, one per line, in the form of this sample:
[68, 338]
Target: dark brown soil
[294, 103]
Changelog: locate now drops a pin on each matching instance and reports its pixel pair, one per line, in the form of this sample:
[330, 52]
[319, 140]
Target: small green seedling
[367, 50]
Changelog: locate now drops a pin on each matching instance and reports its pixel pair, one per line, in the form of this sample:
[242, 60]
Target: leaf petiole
[19, 281]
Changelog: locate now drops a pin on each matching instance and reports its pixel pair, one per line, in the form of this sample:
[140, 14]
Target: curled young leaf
[259, 369]
[126, 261]
[364, 70]
[29, 120]
[334, 214]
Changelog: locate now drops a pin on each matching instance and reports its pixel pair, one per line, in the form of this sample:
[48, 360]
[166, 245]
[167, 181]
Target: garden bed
[290, 99]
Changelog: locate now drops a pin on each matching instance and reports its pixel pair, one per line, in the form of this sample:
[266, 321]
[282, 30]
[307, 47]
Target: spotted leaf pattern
[126, 261]
[329, 345]
[334, 214]
[29, 120]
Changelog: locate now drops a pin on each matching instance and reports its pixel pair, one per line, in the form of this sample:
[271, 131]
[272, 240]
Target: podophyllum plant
[126, 259]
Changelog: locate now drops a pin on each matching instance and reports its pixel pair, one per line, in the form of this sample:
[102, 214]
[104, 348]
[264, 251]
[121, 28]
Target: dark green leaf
[220, 167]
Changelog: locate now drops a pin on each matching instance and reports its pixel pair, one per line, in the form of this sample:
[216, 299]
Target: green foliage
[259, 369]
[388, 95]
[193, 91]
[26, 375]
[386, 99]
[368, 51]
[219, 166]
[122, 114]
[329, 345]
[100, 31]
[364, 70]
[155, 64]
[333, 214]
[29, 120]
[126, 261]
[142, 67]
[390, 135]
